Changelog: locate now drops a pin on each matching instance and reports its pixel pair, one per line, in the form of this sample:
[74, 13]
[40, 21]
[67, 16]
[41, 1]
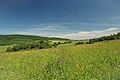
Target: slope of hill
[16, 39]
[100, 39]
[104, 38]
[99, 61]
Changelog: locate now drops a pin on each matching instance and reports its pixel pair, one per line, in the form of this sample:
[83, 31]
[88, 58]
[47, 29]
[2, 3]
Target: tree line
[104, 38]
[19, 39]
[30, 45]
[35, 45]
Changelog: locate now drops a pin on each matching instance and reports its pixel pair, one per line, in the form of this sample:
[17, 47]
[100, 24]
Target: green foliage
[32, 45]
[59, 43]
[55, 44]
[104, 38]
[98, 61]
[18, 39]
[79, 43]
[42, 44]
[4, 48]
[9, 49]
[69, 41]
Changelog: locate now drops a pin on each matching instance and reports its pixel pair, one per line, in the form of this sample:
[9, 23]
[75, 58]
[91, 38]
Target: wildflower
[42, 65]
[77, 65]
[59, 60]
[48, 70]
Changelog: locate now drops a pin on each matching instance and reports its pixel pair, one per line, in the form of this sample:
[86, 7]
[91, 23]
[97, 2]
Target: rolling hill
[17, 39]
[98, 61]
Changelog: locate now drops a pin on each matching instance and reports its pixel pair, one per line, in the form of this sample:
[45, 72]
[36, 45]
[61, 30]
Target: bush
[105, 38]
[79, 43]
[55, 45]
[9, 49]
[59, 43]
[32, 45]
[67, 42]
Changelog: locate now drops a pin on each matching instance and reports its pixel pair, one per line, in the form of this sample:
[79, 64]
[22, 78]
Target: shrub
[59, 43]
[9, 49]
[79, 43]
[55, 44]
[32, 45]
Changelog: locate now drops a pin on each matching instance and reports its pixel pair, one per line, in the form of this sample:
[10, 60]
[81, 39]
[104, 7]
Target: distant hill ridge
[17, 39]
[104, 38]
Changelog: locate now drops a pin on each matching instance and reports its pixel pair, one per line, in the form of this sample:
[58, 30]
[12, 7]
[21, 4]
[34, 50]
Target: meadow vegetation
[19, 39]
[42, 44]
[104, 38]
[30, 45]
[98, 61]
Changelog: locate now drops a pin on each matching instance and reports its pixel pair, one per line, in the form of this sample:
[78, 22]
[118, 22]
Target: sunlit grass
[99, 61]
[4, 48]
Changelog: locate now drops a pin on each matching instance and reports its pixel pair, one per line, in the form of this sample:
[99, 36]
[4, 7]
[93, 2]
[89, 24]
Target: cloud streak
[89, 34]
[43, 30]
[65, 31]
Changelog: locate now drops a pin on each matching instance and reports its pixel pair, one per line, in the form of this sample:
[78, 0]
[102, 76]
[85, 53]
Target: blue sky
[74, 19]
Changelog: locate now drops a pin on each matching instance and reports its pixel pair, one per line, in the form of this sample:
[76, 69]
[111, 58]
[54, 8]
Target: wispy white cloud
[89, 34]
[64, 31]
[42, 30]
[89, 24]
[46, 28]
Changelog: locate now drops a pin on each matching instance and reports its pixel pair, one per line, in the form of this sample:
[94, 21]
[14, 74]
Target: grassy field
[18, 39]
[99, 61]
[4, 48]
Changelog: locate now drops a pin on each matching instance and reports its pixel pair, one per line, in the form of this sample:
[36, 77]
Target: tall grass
[4, 48]
[99, 61]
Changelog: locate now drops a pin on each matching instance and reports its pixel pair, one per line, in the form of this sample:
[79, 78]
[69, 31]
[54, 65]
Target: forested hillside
[104, 38]
[17, 39]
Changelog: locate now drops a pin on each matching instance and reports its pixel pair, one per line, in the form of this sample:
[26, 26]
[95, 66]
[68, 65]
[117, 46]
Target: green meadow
[98, 61]
[4, 48]
[59, 39]
[18, 39]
